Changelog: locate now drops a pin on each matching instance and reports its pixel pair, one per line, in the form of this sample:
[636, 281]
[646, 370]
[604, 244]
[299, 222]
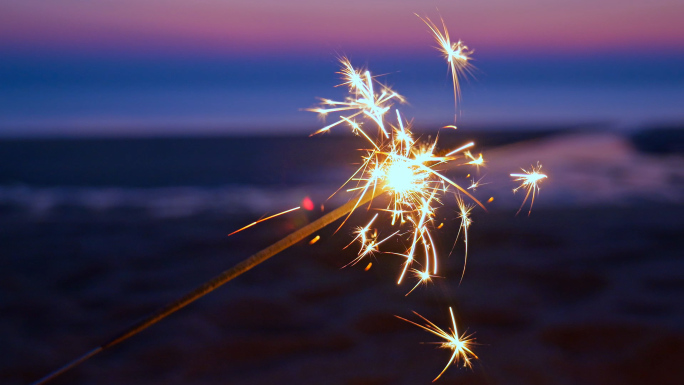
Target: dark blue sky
[86, 95]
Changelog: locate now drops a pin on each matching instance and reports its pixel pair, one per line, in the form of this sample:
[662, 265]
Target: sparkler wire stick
[215, 283]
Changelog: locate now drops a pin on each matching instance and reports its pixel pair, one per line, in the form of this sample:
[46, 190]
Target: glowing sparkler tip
[398, 165]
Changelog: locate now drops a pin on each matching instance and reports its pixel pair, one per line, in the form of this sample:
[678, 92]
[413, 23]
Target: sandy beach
[586, 290]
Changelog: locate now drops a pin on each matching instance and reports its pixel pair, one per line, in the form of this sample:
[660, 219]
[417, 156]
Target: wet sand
[566, 296]
[589, 289]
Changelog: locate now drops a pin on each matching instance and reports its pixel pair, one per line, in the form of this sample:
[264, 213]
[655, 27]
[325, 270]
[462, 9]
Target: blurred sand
[581, 292]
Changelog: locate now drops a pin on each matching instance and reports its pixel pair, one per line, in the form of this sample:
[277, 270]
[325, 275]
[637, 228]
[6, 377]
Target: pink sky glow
[272, 27]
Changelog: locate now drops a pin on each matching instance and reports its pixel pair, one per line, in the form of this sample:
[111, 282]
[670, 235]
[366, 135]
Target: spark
[369, 248]
[315, 239]
[530, 181]
[459, 345]
[475, 184]
[424, 277]
[361, 232]
[465, 146]
[263, 219]
[457, 54]
[477, 162]
[464, 215]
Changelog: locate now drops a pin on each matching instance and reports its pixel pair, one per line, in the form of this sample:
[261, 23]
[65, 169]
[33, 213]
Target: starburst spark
[363, 99]
[530, 181]
[424, 277]
[459, 345]
[477, 162]
[457, 54]
[464, 215]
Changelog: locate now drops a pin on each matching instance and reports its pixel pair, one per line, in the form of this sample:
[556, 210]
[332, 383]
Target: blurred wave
[254, 176]
[63, 96]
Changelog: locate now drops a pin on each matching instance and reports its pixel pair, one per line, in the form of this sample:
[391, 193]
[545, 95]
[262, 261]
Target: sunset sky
[144, 63]
[239, 27]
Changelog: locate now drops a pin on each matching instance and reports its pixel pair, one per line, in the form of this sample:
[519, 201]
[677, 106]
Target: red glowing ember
[307, 204]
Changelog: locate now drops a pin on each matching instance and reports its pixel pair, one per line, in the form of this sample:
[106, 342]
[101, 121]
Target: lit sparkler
[459, 345]
[397, 164]
[530, 181]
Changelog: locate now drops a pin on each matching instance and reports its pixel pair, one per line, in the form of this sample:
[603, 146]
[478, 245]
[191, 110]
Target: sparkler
[530, 181]
[407, 170]
[399, 165]
[459, 345]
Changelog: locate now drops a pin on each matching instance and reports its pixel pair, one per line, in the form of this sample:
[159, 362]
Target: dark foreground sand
[566, 296]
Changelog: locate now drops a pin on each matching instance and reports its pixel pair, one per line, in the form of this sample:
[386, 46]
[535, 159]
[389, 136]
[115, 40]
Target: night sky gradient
[174, 67]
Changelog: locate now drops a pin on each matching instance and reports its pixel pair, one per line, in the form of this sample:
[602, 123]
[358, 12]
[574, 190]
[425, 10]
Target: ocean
[260, 174]
[50, 96]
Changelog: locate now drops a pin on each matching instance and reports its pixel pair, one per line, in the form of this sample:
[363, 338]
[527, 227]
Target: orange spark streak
[264, 219]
